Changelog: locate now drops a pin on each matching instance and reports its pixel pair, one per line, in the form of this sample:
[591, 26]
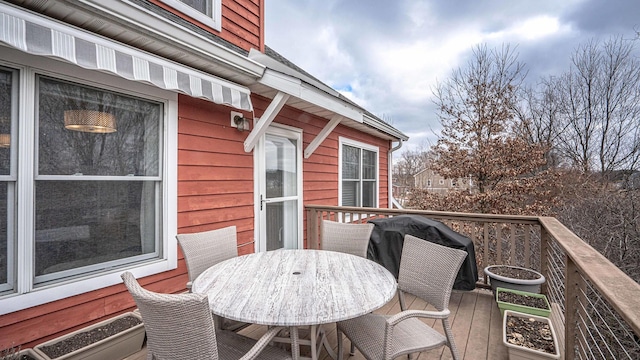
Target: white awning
[38, 35]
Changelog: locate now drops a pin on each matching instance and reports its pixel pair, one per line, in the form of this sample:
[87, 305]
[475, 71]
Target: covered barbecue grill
[385, 246]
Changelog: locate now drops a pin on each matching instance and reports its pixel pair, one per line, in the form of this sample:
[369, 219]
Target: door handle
[262, 201]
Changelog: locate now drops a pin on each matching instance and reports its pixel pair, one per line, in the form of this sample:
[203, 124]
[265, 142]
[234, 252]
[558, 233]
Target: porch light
[5, 140]
[89, 121]
[242, 123]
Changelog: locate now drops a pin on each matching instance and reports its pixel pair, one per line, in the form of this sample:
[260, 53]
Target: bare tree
[600, 105]
[539, 112]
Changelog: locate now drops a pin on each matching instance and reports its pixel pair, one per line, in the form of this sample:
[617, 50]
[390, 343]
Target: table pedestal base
[314, 342]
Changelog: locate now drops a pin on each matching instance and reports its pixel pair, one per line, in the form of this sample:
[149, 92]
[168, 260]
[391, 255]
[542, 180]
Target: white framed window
[208, 12]
[358, 171]
[84, 205]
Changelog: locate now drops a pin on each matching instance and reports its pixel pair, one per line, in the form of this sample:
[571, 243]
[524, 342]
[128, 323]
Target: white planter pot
[517, 352]
[529, 285]
[117, 346]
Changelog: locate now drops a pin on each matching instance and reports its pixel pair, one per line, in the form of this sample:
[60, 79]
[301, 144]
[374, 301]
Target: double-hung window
[98, 179]
[358, 174]
[208, 12]
[85, 189]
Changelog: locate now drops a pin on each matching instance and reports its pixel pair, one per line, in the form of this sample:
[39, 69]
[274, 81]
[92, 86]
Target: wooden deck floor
[476, 324]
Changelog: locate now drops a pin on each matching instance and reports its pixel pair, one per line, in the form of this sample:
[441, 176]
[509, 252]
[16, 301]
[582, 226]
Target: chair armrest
[404, 315]
[189, 286]
[262, 343]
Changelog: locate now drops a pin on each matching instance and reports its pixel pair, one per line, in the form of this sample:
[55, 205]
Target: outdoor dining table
[295, 288]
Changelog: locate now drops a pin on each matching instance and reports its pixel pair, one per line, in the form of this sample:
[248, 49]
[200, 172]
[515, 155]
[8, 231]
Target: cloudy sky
[387, 55]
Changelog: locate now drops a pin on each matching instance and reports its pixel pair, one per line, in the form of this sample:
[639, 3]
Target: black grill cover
[385, 246]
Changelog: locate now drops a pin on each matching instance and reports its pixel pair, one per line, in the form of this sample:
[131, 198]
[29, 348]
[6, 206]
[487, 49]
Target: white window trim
[214, 21]
[346, 141]
[25, 295]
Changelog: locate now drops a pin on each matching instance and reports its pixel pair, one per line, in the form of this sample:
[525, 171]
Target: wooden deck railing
[595, 305]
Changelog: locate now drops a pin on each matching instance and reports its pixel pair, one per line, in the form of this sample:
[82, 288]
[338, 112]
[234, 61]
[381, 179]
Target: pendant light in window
[90, 121]
[5, 139]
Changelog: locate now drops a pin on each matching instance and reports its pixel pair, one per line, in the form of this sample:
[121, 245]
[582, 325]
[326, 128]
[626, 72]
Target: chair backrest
[178, 326]
[204, 249]
[347, 238]
[428, 270]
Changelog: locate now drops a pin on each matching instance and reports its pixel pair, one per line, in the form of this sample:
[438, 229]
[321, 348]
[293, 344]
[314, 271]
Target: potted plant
[529, 336]
[522, 301]
[514, 277]
[114, 338]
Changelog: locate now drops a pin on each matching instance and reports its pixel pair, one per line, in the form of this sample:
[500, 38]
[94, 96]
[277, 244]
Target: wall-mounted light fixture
[239, 122]
[89, 121]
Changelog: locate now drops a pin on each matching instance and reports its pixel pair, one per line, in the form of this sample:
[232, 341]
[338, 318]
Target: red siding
[242, 22]
[215, 189]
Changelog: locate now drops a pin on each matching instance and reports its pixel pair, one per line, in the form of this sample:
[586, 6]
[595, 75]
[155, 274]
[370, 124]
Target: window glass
[207, 12]
[368, 165]
[350, 192]
[93, 209]
[350, 162]
[359, 176]
[204, 6]
[131, 149]
[8, 96]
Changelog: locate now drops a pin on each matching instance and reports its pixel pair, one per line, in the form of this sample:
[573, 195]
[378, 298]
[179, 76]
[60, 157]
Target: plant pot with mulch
[529, 336]
[522, 301]
[17, 354]
[514, 277]
[114, 338]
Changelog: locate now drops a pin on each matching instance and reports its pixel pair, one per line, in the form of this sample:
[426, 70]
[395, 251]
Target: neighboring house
[120, 127]
[429, 180]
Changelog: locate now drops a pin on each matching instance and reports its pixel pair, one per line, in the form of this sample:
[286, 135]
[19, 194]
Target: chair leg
[340, 343]
[452, 344]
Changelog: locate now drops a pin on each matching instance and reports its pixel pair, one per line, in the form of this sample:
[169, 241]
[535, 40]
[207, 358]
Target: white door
[279, 190]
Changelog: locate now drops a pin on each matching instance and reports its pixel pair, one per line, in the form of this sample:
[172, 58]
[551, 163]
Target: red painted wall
[242, 22]
[215, 189]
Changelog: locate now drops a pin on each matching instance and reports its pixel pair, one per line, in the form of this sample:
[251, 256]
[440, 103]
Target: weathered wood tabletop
[295, 287]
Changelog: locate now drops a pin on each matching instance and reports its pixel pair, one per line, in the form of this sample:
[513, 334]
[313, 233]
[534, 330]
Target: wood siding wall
[242, 22]
[215, 175]
[215, 189]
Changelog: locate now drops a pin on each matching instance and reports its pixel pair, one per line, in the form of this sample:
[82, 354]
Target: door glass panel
[280, 161]
[282, 225]
[281, 192]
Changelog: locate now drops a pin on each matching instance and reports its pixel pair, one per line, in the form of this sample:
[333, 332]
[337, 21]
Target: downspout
[390, 176]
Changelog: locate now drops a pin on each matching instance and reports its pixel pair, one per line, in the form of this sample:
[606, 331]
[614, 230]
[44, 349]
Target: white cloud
[390, 67]
[531, 29]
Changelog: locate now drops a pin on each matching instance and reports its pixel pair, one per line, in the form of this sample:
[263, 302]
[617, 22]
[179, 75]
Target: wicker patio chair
[347, 238]
[180, 326]
[428, 271]
[204, 249]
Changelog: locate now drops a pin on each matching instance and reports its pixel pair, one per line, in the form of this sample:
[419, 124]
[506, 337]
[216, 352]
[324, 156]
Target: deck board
[476, 325]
